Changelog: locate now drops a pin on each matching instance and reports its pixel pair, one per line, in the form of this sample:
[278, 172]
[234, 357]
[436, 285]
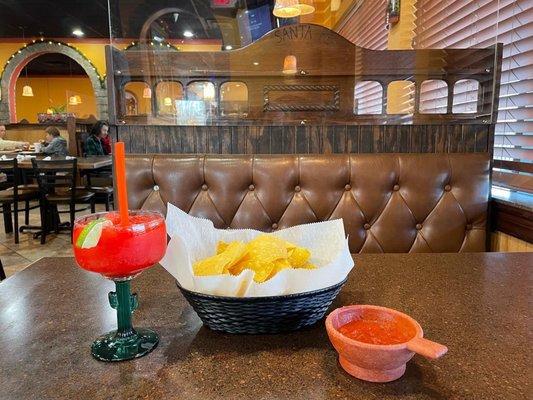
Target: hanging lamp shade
[335, 5]
[147, 93]
[78, 98]
[167, 101]
[290, 65]
[72, 101]
[306, 7]
[286, 9]
[27, 91]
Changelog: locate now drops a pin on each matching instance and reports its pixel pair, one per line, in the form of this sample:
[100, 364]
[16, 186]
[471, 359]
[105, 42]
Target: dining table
[477, 304]
[84, 163]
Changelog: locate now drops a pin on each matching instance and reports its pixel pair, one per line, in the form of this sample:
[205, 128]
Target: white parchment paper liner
[195, 238]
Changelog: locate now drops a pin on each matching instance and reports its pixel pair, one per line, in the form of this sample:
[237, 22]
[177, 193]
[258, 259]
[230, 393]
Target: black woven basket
[262, 315]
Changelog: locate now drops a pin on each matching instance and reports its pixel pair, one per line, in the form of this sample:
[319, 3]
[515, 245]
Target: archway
[20, 59]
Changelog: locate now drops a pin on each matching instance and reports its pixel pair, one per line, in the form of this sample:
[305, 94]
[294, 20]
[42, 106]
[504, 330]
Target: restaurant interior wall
[54, 91]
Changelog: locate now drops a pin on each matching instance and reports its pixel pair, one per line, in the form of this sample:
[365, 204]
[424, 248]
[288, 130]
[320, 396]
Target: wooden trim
[514, 165]
[512, 220]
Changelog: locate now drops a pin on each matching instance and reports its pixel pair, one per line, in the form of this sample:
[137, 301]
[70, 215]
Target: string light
[59, 44]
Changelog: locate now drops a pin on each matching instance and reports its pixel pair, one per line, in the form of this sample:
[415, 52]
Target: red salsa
[379, 331]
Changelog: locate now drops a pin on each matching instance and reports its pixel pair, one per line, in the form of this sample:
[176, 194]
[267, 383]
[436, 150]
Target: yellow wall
[54, 92]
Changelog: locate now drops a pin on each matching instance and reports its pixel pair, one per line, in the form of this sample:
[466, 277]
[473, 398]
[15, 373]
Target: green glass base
[115, 347]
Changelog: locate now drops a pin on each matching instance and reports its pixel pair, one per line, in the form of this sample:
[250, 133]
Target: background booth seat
[391, 203]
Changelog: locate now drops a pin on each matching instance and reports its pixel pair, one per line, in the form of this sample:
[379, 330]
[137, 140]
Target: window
[400, 97]
[465, 95]
[233, 99]
[465, 23]
[368, 98]
[166, 94]
[138, 97]
[433, 97]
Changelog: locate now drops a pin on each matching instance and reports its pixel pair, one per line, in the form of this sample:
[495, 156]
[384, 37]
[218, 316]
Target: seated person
[55, 144]
[10, 144]
[98, 144]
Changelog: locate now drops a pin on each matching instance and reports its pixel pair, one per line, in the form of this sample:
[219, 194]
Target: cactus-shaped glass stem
[126, 342]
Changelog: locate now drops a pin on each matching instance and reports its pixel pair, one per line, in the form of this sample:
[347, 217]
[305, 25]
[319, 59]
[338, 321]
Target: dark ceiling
[58, 18]
[53, 64]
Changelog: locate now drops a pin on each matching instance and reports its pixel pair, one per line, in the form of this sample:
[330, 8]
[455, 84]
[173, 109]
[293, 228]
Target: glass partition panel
[233, 99]
[166, 94]
[138, 98]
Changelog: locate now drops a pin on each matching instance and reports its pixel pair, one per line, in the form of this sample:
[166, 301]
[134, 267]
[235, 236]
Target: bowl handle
[427, 348]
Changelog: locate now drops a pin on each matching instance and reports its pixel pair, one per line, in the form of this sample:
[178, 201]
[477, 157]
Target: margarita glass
[120, 251]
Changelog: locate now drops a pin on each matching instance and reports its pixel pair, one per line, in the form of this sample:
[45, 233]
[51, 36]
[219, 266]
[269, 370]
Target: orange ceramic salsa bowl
[378, 362]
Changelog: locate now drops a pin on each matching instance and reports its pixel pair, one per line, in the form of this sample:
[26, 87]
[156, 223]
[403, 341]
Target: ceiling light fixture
[306, 7]
[286, 9]
[78, 32]
[188, 34]
[256, 63]
[229, 47]
[290, 65]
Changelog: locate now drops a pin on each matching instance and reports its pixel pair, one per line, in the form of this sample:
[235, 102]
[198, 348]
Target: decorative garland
[161, 44]
[101, 78]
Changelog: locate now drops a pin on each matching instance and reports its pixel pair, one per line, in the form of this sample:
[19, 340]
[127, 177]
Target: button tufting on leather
[274, 226]
[348, 187]
[204, 187]
[297, 188]
[366, 226]
[396, 188]
[156, 188]
[447, 188]
[418, 226]
[251, 187]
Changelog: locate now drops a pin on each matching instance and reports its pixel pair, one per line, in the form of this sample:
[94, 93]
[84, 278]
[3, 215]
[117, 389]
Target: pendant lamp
[306, 7]
[290, 65]
[147, 93]
[27, 91]
[286, 9]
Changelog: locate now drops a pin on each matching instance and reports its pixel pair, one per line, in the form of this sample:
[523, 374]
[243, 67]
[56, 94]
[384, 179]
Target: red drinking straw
[120, 177]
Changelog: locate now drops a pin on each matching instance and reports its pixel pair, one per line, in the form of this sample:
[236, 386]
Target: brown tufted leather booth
[389, 202]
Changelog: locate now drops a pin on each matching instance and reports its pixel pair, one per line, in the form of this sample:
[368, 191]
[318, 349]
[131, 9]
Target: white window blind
[467, 23]
[365, 27]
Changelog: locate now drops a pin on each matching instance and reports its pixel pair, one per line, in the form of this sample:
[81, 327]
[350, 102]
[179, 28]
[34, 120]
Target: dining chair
[14, 193]
[100, 182]
[57, 186]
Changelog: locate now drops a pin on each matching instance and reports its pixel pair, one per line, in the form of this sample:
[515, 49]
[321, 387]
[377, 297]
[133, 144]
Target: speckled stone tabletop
[476, 304]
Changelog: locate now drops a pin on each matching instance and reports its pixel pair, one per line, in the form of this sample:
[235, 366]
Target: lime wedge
[90, 235]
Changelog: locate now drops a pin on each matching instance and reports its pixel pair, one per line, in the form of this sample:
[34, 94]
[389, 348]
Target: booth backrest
[392, 203]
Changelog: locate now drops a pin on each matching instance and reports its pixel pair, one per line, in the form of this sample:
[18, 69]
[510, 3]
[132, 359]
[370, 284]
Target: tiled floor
[16, 257]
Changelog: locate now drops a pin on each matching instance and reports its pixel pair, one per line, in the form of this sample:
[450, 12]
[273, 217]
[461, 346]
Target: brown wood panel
[224, 134]
[276, 139]
[302, 139]
[175, 139]
[315, 145]
[455, 139]
[352, 139]
[514, 221]
[469, 137]
[314, 139]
